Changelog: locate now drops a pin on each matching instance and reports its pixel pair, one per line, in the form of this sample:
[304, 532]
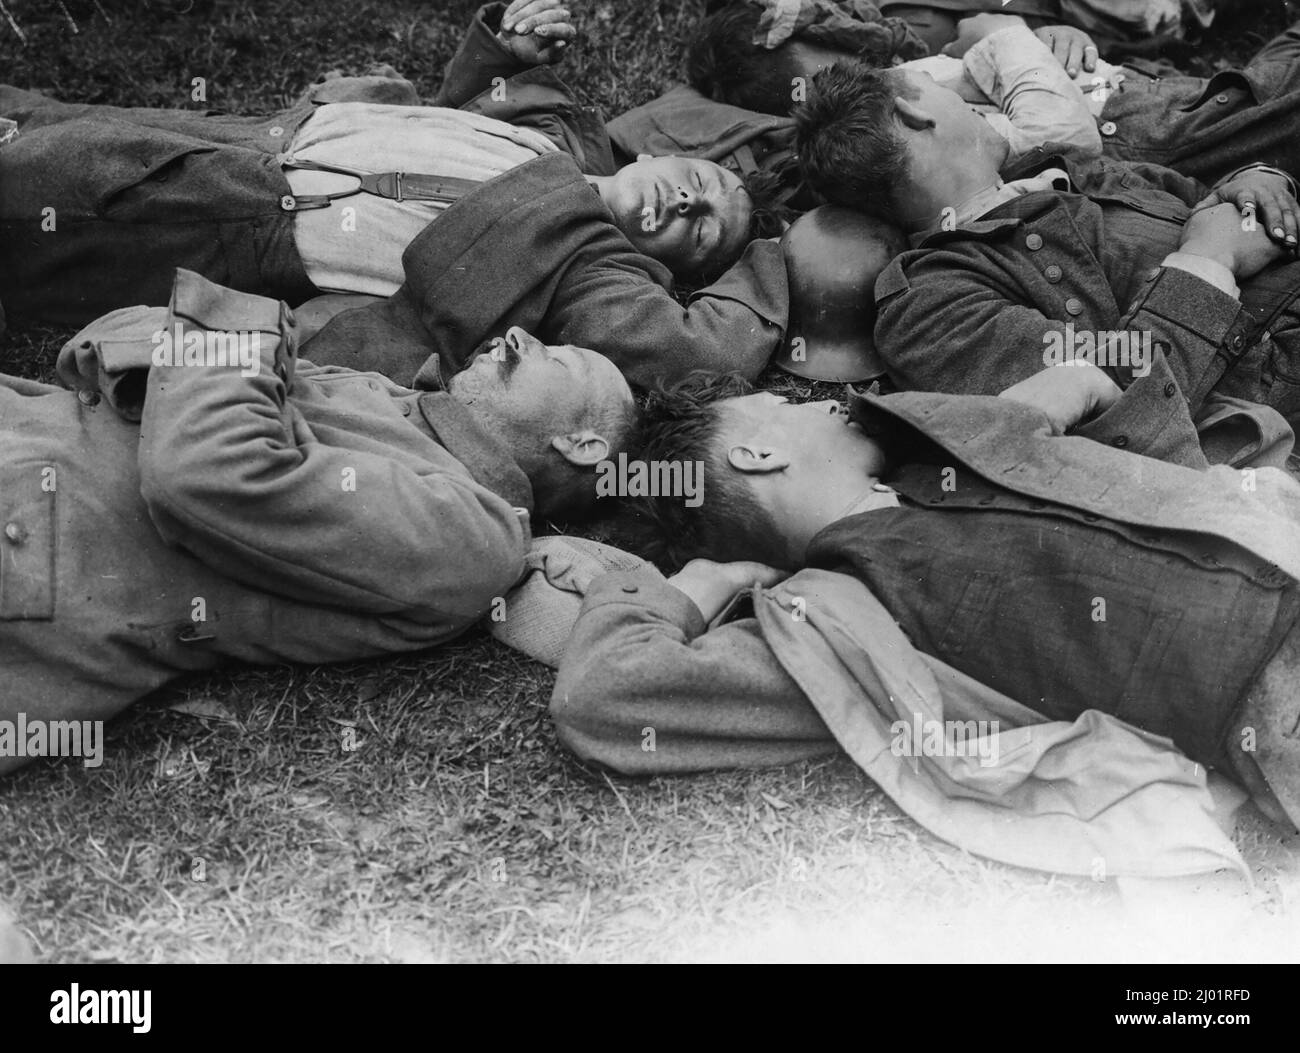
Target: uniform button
[1170, 388]
[1237, 341]
[1034, 242]
[1073, 306]
[1053, 273]
[406, 409]
[630, 588]
[1109, 128]
[1221, 99]
[276, 132]
[1120, 440]
[15, 534]
[88, 398]
[288, 203]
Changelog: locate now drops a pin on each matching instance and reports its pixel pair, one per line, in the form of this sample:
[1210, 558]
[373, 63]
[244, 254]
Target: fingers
[558, 29]
[1073, 57]
[524, 17]
[1277, 212]
[1090, 56]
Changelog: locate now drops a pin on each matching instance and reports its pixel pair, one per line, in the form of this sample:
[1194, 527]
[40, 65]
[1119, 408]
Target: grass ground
[228, 823]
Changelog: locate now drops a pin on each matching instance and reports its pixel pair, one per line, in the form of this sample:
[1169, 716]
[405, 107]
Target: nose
[521, 340]
[688, 202]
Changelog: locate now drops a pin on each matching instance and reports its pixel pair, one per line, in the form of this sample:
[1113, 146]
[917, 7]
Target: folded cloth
[854, 25]
[1091, 797]
[538, 614]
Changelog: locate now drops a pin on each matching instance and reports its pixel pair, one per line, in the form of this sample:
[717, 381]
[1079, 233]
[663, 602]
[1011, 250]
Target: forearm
[479, 61]
[1038, 99]
[1201, 327]
[231, 472]
[644, 688]
[616, 307]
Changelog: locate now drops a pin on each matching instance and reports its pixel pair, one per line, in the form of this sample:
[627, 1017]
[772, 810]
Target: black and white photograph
[650, 482]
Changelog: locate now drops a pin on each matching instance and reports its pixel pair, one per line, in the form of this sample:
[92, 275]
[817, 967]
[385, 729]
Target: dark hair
[681, 423]
[724, 63]
[567, 491]
[849, 146]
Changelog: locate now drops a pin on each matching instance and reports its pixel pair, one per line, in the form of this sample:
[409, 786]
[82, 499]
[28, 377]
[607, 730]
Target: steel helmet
[833, 256]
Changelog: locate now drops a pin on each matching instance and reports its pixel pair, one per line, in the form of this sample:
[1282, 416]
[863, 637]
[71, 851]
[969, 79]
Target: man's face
[805, 464]
[811, 434]
[530, 392]
[690, 215]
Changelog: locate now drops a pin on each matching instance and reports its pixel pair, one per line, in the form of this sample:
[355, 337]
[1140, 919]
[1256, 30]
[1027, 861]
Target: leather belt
[395, 186]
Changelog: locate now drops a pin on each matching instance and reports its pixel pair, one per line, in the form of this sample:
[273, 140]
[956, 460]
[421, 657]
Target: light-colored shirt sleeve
[1037, 100]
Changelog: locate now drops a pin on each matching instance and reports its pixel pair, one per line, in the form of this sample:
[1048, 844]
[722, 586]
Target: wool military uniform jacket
[827, 662]
[537, 248]
[297, 514]
[1201, 128]
[970, 310]
[100, 204]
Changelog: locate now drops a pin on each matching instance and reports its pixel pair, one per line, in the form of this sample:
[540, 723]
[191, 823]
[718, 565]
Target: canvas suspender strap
[396, 186]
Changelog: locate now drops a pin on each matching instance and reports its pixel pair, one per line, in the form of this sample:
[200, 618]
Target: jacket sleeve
[231, 472]
[643, 688]
[613, 302]
[480, 60]
[943, 325]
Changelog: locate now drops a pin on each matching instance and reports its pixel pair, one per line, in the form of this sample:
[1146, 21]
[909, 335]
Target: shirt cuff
[1206, 269]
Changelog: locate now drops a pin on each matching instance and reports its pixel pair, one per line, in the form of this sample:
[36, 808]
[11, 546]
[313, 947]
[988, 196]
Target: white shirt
[1031, 99]
[355, 245]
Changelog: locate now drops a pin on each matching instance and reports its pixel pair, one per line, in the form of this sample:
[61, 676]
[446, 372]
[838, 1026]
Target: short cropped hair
[847, 138]
[681, 423]
[725, 64]
[568, 491]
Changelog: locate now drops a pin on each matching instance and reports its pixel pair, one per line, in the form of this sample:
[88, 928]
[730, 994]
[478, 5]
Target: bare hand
[537, 32]
[970, 31]
[712, 585]
[1069, 393]
[1071, 47]
[1267, 193]
[1222, 233]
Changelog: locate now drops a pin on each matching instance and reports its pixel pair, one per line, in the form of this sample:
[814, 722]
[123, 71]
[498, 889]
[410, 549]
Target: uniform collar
[487, 459]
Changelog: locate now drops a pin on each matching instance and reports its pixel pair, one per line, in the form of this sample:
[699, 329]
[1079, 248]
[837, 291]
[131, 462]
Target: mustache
[508, 357]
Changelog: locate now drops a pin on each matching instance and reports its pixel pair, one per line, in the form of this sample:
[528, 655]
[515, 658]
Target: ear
[912, 115]
[756, 460]
[583, 448]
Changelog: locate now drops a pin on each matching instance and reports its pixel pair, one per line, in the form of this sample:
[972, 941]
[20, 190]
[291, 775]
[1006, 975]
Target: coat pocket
[27, 541]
